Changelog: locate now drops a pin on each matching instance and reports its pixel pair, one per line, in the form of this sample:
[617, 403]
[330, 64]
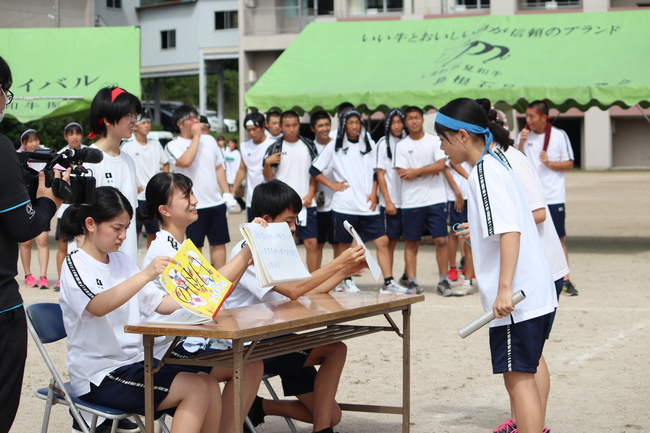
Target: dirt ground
[598, 352]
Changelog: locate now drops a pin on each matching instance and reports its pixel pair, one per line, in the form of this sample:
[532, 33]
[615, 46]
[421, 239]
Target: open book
[274, 253]
[375, 270]
[196, 285]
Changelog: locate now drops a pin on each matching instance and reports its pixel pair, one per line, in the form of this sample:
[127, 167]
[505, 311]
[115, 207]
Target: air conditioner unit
[250, 3]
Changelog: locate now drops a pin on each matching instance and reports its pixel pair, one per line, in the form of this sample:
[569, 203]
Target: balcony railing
[277, 20]
[525, 5]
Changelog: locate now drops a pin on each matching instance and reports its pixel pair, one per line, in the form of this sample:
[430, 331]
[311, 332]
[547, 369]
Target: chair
[45, 324]
[269, 387]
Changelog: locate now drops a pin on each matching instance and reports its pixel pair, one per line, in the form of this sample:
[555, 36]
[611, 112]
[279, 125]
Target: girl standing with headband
[508, 256]
[113, 115]
[73, 134]
[30, 141]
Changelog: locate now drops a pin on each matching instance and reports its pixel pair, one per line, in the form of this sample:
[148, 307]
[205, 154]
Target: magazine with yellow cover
[194, 283]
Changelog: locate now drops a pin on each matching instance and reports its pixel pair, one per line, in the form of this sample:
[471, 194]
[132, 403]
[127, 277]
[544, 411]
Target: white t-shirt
[393, 182]
[532, 187]
[461, 182]
[202, 171]
[99, 345]
[149, 160]
[294, 166]
[253, 156]
[248, 291]
[496, 205]
[232, 160]
[559, 150]
[357, 169]
[326, 206]
[119, 172]
[425, 190]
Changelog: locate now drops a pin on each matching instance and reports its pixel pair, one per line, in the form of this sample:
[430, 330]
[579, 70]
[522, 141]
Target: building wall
[34, 13]
[631, 143]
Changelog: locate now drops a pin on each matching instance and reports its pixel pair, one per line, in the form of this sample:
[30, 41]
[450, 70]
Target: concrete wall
[631, 143]
[34, 13]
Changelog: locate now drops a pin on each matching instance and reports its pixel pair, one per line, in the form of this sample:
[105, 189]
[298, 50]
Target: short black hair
[159, 192]
[73, 127]
[105, 106]
[274, 197]
[204, 120]
[257, 118]
[319, 115]
[342, 107]
[272, 113]
[540, 106]
[182, 112]
[289, 114]
[5, 75]
[413, 109]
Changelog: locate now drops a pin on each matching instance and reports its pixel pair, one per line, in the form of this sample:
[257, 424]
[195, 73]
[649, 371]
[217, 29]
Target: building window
[381, 6]
[168, 39]
[463, 5]
[115, 4]
[225, 20]
[549, 4]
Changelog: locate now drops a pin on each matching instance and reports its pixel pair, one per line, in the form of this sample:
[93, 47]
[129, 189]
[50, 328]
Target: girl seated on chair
[101, 291]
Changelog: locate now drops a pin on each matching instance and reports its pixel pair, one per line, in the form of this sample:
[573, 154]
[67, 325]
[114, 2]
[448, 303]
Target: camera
[81, 189]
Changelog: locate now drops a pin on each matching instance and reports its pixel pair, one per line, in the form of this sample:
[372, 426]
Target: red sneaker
[453, 274]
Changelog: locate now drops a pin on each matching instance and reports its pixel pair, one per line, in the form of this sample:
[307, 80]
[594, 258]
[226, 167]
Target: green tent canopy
[571, 60]
[58, 71]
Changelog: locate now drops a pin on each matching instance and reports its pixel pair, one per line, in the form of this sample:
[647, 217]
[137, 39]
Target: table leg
[406, 370]
[148, 383]
[238, 370]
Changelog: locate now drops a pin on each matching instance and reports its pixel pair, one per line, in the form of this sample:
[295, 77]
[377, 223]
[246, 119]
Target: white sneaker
[347, 286]
[393, 288]
[465, 289]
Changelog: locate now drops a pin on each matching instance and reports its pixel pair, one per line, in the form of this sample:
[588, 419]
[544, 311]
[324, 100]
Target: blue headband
[471, 128]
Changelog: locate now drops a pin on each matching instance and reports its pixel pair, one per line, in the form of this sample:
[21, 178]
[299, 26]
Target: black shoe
[256, 413]
[569, 289]
[123, 426]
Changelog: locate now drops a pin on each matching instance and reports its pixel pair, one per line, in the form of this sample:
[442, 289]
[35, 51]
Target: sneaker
[569, 289]
[465, 289]
[43, 283]
[506, 427]
[392, 288]
[404, 281]
[453, 274]
[415, 288]
[57, 286]
[546, 430]
[444, 289]
[30, 281]
[348, 286]
[123, 426]
[256, 413]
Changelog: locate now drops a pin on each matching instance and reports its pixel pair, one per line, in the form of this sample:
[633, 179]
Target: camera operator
[20, 220]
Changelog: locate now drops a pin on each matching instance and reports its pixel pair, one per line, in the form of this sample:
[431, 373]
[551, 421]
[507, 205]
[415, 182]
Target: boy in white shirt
[276, 202]
[549, 149]
[273, 124]
[390, 185]
[420, 163]
[352, 160]
[232, 156]
[198, 157]
[252, 157]
[289, 160]
[150, 158]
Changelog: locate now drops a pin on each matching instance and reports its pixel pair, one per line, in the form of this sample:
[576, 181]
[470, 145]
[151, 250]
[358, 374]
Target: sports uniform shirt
[529, 181]
[294, 167]
[119, 172]
[496, 205]
[248, 291]
[149, 160]
[425, 190]
[393, 182]
[202, 171]
[559, 150]
[232, 161]
[253, 156]
[99, 345]
[326, 205]
[348, 163]
[461, 182]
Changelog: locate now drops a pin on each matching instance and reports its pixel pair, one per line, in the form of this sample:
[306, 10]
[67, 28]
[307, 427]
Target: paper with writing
[375, 270]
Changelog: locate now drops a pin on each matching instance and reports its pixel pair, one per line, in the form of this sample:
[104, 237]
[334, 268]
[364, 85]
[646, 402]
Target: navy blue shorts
[249, 214]
[518, 347]
[311, 229]
[392, 223]
[123, 388]
[369, 227]
[296, 378]
[325, 227]
[150, 226]
[454, 217]
[433, 217]
[558, 215]
[213, 223]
